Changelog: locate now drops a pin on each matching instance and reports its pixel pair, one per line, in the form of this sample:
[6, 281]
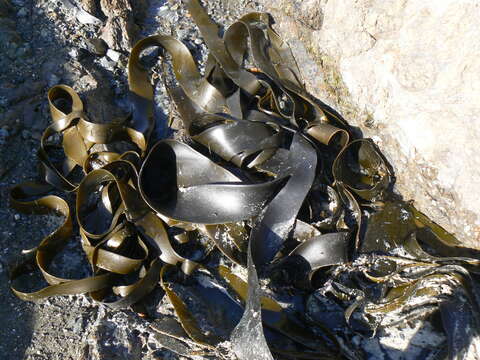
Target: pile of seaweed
[270, 184]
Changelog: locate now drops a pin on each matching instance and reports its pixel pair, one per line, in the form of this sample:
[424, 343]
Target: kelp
[269, 180]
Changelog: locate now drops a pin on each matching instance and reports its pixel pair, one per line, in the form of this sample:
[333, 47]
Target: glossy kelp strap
[195, 86]
[268, 175]
[28, 198]
[182, 184]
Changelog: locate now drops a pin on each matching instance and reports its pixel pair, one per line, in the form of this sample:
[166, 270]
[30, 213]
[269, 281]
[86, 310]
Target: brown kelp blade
[266, 175]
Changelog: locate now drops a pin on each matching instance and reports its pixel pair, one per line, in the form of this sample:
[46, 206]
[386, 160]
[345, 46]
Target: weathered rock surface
[407, 72]
[120, 31]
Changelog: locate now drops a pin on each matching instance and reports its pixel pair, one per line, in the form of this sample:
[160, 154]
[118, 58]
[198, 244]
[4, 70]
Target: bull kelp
[268, 180]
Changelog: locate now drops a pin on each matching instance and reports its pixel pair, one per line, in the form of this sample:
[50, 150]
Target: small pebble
[73, 53]
[17, 217]
[107, 64]
[113, 55]
[22, 12]
[25, 134]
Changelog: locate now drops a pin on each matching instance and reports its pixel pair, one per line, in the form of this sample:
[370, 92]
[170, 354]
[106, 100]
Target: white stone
[113, 55]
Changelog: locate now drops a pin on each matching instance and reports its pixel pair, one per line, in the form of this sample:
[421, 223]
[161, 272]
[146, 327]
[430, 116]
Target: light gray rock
[407, 72]
[113, 55]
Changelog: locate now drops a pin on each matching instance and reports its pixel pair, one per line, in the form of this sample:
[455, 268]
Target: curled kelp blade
[362, 169]
[250, 329]
[324, 250]
[402, 295]
[139, 289]
[279, 216]
[122, 251]
[396, 227]
[238, 140]
[193, 84]
[270, 177]
[91, 185]
[313, 254]
[182, 184]
[263, 49]
[323, 207]
[250, 143]
[56, 175]
[31, 198]
[267, 237]
[230, 63]
[327, 134]
[24, 197]
[252, 34]
[79, 135]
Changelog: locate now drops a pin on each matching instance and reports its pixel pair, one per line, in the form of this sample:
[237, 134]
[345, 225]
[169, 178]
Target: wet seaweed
[268, 181]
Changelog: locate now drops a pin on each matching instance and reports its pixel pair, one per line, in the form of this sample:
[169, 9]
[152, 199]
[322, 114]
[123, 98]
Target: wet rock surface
[47, 43]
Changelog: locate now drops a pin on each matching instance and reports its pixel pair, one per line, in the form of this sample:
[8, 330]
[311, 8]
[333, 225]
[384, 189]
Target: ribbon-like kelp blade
[269, 177]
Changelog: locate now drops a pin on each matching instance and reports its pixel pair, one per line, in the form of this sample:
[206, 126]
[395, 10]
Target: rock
[113, 55]
[73, 53]
[87, 82]
[51, 66]
[90, 6]
[98, 94]
[408, 72]
[81, 15]
[97, 46]
[22, 12]
[11, 53]
[112, 8]
[120, 31]
[107, 64]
